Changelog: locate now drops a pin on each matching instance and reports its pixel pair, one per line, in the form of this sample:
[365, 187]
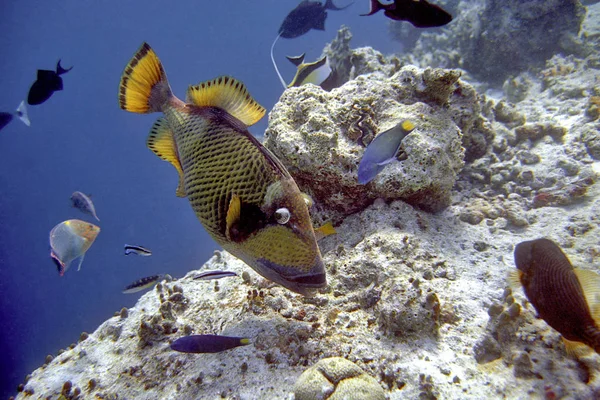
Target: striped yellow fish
[243, 195]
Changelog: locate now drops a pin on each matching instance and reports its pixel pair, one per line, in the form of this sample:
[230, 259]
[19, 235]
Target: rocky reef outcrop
[494, 39]
[417, 303]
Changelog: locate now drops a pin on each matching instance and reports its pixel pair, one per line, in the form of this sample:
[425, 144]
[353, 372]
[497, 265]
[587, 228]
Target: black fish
[47, 83]
[207, 343]
[5, 119]
[420, 13]
[306, 16]
[20, 112]
[563, 297]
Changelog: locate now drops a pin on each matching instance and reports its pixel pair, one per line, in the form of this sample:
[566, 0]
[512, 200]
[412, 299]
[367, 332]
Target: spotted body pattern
[236, 186]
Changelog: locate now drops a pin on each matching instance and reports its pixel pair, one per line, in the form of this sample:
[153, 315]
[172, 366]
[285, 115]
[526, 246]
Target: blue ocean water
[81, 140]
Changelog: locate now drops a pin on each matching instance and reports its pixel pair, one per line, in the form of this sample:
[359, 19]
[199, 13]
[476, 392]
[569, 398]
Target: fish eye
[282, 215]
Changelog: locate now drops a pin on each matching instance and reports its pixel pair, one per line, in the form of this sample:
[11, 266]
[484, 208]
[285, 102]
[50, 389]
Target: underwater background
[79, 140]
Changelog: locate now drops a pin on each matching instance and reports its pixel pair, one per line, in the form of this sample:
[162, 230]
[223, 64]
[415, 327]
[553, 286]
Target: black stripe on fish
[217, 274]
[138, 250]
[141, 284]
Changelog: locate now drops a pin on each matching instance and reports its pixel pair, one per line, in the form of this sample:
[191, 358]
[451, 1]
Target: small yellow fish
[243, 195]
[69, 241]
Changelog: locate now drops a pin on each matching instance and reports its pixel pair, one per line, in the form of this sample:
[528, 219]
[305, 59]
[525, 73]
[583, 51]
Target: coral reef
[494, 39]
[322, 137]
[418, 303]
[336, 378]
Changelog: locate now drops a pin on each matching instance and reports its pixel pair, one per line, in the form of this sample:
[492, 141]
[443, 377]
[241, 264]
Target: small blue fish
[144, 283]
[207, 343]
[137, 250]
[382, 150]
[83, 202]
[216, 274]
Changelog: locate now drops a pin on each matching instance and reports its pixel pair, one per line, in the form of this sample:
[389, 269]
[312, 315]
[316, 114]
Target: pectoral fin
[162, 143]
[80, 261]
[233, 215]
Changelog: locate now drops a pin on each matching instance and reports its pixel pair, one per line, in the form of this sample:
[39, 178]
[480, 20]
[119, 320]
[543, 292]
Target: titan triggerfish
[243, 195]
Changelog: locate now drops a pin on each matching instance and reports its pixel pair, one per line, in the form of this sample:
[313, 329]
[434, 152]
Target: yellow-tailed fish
[243, 195]
[69, 241]
[568, 299]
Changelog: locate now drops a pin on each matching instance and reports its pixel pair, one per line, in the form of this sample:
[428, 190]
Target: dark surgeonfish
[208, 343]
[382, 150]
[137, 250]
[47, 83]
[567, 299]
[143, 284]
[20, 112]
[83, 202]
[69, 241]
[420, 13]
[241, 193]
[306, 16]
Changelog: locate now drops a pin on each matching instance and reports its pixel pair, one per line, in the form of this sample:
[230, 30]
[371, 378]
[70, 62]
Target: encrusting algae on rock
[415, 300]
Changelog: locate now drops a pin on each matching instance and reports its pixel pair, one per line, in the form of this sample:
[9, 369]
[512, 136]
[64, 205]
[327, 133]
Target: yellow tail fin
[144, 87]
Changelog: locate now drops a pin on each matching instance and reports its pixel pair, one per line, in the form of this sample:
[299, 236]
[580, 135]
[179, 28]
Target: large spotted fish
[243, 195]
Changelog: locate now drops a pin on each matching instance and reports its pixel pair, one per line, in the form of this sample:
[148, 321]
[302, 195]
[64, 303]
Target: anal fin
[162, 143]
[576, 349]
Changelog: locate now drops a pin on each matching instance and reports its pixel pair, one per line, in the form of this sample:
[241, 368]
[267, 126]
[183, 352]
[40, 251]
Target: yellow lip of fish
[242, 194]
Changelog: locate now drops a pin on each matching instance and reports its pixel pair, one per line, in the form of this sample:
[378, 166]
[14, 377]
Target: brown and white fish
[567, 299]
[69, 241]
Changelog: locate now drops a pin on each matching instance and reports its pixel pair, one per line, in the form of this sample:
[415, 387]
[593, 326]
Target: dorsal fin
[590, 283]
[162, 143]
[228, 94]
[296, 60]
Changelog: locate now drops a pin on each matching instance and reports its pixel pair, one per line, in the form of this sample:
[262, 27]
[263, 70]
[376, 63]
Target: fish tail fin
[275, 64]
[375, 6]
[330, 6]
[144, 87]
[60, 70]
[22, 114]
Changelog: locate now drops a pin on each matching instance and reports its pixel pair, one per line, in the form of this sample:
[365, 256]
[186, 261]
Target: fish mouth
[303, 282]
